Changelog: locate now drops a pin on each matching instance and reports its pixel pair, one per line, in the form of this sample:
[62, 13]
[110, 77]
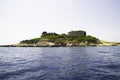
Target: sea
[60, 63]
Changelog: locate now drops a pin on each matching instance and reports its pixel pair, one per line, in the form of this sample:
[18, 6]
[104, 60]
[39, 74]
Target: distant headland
[72, 38]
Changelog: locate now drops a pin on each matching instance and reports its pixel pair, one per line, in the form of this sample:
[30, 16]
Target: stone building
[76, 33]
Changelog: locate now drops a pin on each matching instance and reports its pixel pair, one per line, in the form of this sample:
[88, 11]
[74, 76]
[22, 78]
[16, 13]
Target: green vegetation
[88, 39]
[31, 41]
[61, 38]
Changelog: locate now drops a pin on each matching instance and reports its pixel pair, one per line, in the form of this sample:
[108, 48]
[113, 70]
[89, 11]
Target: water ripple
[60, 63]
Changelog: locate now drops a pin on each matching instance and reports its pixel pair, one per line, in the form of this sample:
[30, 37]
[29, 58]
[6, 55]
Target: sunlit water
[59, 63]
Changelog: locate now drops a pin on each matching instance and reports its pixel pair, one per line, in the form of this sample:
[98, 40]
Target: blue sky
[26, 19]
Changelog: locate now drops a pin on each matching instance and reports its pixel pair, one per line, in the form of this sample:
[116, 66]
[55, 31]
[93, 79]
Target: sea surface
[60, 63]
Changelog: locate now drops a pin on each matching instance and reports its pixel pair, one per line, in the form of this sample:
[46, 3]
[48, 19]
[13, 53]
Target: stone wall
[77, 33]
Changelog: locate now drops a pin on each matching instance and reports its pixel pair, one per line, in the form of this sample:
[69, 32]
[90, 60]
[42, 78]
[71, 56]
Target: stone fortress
[76, 33]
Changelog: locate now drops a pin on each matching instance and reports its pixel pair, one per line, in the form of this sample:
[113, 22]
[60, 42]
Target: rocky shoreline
[69, 44]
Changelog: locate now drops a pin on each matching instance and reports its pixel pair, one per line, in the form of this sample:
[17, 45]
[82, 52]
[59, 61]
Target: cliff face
[66, 44]
[57, 43]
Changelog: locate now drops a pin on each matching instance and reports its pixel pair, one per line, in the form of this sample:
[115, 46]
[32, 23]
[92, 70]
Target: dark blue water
[60, 63]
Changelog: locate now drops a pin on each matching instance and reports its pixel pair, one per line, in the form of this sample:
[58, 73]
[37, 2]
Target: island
[73, 38]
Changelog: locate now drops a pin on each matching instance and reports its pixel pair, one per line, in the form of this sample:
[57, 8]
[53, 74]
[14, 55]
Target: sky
[26, 19]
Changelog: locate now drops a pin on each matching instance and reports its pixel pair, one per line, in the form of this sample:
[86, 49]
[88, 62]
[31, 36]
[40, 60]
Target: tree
[44, 33]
